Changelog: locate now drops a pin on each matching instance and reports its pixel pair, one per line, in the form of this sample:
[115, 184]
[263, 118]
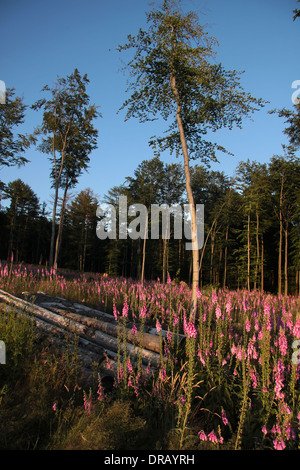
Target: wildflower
[224, 418]
[189, 328]
[115, 311]
[267, 308]
[158, 326]
[202, 436]
[100, 390]
[169, 336]
[253, 378]
[214, 297]
[241, 353]
[201, 357]
[278, 377]
[218, 312]
[251, 351]
[182, 400]
[212, 437]
[282, 342]
[296, 329]
[134, 330]
[228, 307]
[125, 309]
[129, 366]
[199, 295]
[54, 407]
[162, 374]
[247, 325]
[279, 443]
[264, 430]
[143, 312]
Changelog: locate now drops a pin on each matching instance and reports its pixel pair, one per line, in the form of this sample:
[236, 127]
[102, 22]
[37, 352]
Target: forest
[137, 343]
[251, 226]
[251, 237]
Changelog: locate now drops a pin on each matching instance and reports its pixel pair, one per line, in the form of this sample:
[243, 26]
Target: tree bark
[60, 226]
[257, 251]
[195, 249]
[262, 264]
[286, 260]
[280, 238]
[225, 257]
[144, 249]
[165, 254]
[248, 250]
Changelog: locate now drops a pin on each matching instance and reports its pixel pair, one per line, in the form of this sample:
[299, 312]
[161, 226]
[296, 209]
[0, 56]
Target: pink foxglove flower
[264, 430]
[218, 312]
[212, 437]
[279, 443]
[247, 325]
[296, 329]
[283, 345]
[224, 418]
[158, 326]
[202, 436]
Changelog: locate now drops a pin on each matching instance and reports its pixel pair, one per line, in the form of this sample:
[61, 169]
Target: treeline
[251, 237]
[251, 222]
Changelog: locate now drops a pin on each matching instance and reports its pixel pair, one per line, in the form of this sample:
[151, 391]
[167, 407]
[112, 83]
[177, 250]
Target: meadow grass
[233, 385]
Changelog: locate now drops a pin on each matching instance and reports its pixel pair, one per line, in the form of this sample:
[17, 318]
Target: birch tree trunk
[144, 249]
[195, 250]
[60, 227]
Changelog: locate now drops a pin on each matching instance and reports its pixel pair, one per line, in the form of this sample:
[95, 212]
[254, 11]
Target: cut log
[150, 337]
[42, 313]
[98, 341]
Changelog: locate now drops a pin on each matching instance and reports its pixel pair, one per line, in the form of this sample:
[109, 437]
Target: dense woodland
[251, 226]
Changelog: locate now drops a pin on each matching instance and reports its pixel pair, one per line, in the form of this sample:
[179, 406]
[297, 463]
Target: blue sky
[41, 40]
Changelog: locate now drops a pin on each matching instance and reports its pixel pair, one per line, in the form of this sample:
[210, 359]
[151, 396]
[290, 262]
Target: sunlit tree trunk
[195, 250]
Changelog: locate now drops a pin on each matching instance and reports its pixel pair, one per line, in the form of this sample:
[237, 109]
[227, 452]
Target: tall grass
[234, 384]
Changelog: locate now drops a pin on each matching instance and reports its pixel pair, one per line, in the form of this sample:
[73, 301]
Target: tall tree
[296, 12]
[82, 220]
[145, 188]
[285, 184]
[24, 207]
[171, 75]
[12, 146]
[69, 136]
[253, 180]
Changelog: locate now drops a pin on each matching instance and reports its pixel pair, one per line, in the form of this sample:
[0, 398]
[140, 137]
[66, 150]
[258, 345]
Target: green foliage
[175, 47]
[12, 115]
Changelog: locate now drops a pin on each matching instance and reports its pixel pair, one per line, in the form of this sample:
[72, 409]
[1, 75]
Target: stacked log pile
[97, 332]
